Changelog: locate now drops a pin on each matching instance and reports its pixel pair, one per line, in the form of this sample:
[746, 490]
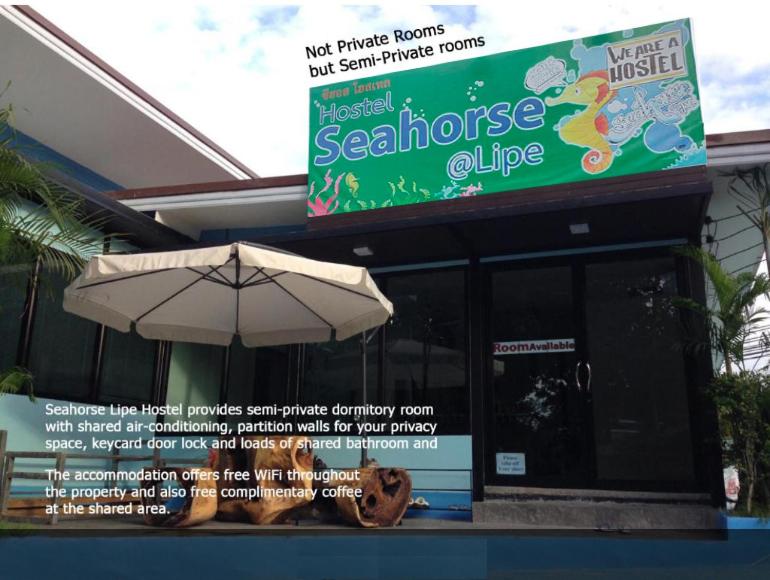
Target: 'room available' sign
[547, 346]
[608, 105]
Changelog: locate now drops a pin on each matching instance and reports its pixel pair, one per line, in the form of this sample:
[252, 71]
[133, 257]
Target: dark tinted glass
[272, 370]
[195, 376]
[425, 346]
[13, 291]
[128, 367]
[537, 408]
[62, 348]
[332, 373]
[639, 387]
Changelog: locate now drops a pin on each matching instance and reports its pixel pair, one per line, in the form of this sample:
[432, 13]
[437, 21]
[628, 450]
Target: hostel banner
[608, 105]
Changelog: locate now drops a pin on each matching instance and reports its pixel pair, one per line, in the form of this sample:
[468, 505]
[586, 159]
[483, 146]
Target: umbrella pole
[364, 450]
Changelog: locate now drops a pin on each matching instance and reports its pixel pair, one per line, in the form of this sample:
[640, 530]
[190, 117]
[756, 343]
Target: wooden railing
[8, 472]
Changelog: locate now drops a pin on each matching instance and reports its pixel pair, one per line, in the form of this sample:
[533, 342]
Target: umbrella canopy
[208, 295]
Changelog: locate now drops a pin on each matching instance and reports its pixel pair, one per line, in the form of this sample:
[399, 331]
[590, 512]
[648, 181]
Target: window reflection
[194, 377]
[425, 348]
[128, 368]
[13, 290]
[62, 348]
[332, 373]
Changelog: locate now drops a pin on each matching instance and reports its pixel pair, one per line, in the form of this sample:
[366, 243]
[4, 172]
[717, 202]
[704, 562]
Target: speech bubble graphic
[546, 74]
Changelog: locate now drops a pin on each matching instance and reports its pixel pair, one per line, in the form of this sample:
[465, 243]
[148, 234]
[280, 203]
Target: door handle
[587, 388]
[588, 383]
[577, 376]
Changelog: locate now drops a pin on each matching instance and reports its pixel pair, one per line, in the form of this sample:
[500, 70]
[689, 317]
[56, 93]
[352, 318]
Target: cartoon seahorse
[589, 127]
[352, 182]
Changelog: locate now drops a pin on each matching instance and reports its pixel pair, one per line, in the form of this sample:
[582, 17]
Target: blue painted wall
[37, 152]
[238, 234]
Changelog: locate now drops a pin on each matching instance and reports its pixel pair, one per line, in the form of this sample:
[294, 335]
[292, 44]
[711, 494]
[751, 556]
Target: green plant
[751, 188]
[16, 380]
[733, 317]
[39, 219]
[743, 404]
[41, 223]
[17, 528]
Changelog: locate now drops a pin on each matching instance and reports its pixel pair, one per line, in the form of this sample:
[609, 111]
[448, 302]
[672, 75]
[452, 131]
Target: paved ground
[420, 548]
[401, 555]
[134, 526]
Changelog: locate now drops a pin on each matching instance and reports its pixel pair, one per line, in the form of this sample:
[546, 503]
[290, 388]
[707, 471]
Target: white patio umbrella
[209, 295]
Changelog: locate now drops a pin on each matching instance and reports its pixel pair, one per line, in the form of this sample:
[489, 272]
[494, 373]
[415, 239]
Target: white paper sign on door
[511, 463]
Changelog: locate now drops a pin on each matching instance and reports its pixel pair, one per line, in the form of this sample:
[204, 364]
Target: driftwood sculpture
[277, 472]
[278, 496]
[198, 505]
[384, 497]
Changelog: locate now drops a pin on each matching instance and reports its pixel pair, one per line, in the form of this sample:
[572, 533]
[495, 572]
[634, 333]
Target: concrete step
[596, 515]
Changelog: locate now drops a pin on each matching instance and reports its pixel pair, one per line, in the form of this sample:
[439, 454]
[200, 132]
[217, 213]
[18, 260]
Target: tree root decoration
[288, 454]
[195, 507]
[385, 493]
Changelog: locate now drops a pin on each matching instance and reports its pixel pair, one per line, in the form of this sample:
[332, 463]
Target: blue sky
[238, 72]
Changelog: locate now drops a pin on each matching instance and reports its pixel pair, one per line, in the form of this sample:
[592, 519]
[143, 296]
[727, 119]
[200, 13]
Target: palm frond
[751, 189]
[39, 219]
[62, 246]
[724, 285]
[734, 317]
[15, 381]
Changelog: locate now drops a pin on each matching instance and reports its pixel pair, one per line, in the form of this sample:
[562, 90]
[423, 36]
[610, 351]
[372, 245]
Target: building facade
[540, 324]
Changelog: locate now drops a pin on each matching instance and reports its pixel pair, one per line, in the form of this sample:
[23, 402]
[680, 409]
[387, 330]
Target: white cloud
[238, 71]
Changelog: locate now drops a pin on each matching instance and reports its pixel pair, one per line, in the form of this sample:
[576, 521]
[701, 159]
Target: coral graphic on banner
[606, 106]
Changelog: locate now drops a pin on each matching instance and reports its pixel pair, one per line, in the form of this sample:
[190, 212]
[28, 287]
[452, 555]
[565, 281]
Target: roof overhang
[664, 205]
[252, 203]
[738, 149]
[71, 101]
[281, 201]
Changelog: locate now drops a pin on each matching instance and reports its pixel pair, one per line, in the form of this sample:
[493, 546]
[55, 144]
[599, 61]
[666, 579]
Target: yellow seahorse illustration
[589, 127]
[352, 182]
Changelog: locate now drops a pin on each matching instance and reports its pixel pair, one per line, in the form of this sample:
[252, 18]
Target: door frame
[694, 365]
[582, 479]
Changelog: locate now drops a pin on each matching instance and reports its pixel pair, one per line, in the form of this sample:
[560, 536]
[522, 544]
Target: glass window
[194, 377]
[332, 373]
[536, 403]
[258, 376]
[13, 292]
[639, 385]
[242, 377]
[128, 367]
[272, 375]
[62, 348]
[425, 346]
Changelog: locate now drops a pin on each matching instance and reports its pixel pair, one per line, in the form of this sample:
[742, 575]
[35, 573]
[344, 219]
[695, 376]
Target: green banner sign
[609, 105]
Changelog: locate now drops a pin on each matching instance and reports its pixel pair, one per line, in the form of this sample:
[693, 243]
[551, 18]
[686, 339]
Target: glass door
[537, 413]
[638, 388]
[587, 378]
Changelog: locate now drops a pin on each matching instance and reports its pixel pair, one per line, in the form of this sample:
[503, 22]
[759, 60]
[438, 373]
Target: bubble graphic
[470, 93]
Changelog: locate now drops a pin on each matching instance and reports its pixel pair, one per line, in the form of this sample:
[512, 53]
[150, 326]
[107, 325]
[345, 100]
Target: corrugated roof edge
[51, 28]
